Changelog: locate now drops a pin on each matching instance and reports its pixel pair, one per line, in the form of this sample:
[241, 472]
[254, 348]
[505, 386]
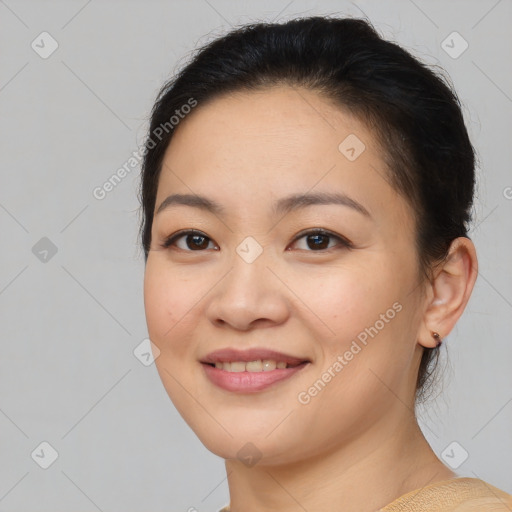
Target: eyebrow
[280, 207]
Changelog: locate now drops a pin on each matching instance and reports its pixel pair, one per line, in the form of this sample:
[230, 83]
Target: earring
[438, 339]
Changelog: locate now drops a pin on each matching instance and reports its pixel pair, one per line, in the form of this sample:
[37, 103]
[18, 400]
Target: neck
[365, 474]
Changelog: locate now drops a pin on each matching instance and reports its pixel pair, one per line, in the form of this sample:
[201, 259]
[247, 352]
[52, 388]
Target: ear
[449, 291]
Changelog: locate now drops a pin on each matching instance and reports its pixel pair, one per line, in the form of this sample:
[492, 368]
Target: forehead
[264, 144]
[278, 125]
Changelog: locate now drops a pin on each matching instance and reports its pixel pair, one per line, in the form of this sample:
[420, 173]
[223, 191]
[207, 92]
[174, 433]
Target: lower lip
[249, 382]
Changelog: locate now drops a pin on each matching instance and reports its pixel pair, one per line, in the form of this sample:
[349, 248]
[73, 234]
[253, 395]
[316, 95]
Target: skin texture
[356, 445]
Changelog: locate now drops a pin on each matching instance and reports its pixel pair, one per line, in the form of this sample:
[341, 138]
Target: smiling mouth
[251, 376]
[259, 365]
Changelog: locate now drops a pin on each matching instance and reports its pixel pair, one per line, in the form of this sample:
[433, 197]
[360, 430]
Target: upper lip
[253, 354]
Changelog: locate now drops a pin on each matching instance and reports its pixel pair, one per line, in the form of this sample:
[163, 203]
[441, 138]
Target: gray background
[70, 323]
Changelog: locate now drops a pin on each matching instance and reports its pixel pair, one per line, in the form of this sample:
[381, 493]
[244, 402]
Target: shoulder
[455, 495]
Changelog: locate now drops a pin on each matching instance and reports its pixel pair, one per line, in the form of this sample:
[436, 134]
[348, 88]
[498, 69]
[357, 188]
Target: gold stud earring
[438, 339]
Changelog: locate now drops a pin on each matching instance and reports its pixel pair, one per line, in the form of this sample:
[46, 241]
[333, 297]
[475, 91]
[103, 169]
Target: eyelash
[343, 242]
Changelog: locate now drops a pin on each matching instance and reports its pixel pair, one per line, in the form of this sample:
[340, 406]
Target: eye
[193, 240]
[318, 240]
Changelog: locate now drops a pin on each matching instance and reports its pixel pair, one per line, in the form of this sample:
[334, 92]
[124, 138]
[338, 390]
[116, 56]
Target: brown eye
[192, 241]
[320, 240]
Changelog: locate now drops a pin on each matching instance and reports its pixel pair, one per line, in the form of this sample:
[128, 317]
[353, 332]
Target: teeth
[237, 366]
[269, 365]
[252, 366]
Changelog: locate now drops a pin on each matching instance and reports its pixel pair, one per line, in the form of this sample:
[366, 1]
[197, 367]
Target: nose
[249, 295]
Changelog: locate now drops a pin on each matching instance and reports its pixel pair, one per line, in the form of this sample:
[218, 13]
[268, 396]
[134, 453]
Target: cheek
[367, 319]
[168, 302]
[160, 315]
[169, 306]
[348, 300]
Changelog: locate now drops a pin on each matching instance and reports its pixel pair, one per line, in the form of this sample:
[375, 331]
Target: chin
[249, 449]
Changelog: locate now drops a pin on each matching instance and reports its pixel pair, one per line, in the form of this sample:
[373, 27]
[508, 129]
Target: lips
[233, 370]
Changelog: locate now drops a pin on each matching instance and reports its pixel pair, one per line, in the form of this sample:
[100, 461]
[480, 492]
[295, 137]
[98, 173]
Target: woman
[306, 191]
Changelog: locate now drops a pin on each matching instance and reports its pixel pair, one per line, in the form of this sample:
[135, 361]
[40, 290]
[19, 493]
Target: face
[307, 265]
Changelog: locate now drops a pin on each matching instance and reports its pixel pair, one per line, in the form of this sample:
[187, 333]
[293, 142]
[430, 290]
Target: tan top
[455, 495]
